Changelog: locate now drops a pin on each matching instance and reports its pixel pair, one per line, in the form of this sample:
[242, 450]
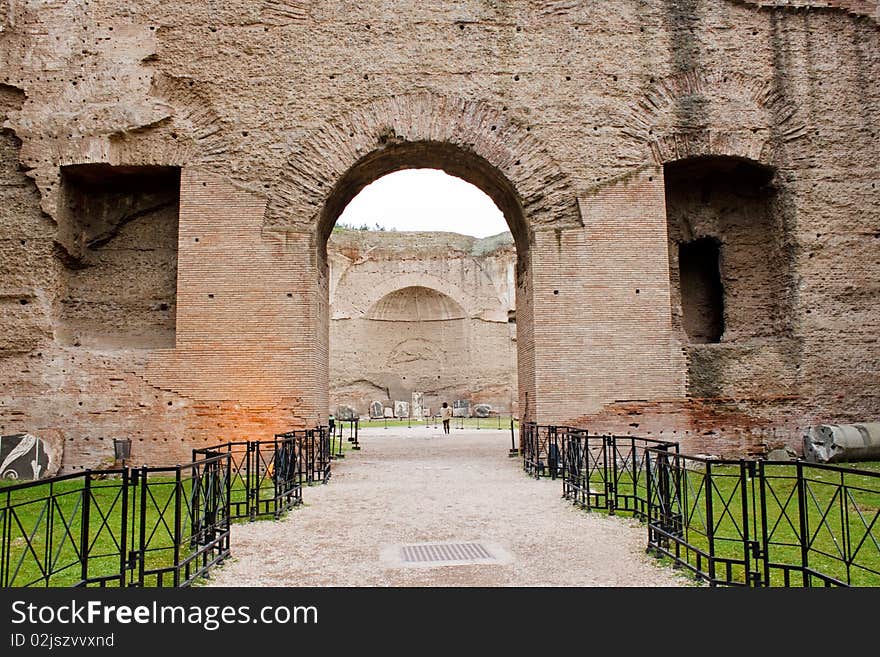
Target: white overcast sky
[425, 199]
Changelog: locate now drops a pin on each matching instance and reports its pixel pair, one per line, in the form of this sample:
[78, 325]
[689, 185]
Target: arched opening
[428, 155]
[702, 295]
[424, 315]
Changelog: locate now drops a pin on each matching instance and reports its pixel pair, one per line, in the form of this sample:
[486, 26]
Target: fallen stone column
[834, 443]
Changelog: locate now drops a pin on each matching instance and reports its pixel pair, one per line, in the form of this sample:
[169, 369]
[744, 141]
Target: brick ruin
[430, 313]
[690, 185]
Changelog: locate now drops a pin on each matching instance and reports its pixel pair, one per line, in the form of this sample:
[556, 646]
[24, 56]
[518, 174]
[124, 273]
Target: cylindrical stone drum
[833, 443]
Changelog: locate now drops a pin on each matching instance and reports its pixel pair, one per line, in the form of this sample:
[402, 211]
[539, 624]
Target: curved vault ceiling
[416, 304]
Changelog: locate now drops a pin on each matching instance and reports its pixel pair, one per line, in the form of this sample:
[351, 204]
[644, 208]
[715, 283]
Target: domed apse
[422, 288]
[415, 304]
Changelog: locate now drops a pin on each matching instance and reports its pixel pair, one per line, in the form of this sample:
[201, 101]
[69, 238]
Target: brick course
[565, 113]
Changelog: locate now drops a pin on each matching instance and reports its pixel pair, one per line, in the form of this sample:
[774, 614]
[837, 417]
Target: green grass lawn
[44, 523]
[840, 514]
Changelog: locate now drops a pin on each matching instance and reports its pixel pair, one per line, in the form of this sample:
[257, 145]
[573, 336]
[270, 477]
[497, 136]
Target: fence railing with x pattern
[151, 526]
[148, 526]
[730, 522]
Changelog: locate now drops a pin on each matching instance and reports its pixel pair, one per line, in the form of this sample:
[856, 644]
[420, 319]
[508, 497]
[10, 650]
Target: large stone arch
[317, 182]
[467, 139]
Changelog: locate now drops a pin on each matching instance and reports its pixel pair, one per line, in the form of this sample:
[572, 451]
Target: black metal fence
[312, 447]
[541, 448]
[730, 522]
[765, 523]
[151, 526]
[266, 476]
[607, 472]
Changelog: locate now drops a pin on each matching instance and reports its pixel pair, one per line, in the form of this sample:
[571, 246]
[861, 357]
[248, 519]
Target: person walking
[445, 415]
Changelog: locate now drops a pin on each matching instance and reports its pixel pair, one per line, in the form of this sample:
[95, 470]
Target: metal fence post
[747, 471]
[803, 522]
[142, 555]
[123, 529]
[710, 522]
[233, 472]
[584, 468]
[252, 475]
[612, 483]
[278, 466]
[846, 538]
[649, 508]
[607, 486]
[84, 530]
[765, 536]
[177, 483]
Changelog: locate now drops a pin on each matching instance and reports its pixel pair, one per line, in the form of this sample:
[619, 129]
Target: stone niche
[731, 276]
[117, 240]
[701, 290]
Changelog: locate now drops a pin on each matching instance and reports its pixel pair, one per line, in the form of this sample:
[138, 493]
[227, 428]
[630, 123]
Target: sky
[425, 199]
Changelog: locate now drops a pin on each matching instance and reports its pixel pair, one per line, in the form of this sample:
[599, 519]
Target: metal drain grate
[445, 553]
[437, 555]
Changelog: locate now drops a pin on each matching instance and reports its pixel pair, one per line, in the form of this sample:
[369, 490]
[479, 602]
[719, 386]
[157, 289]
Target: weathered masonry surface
[691, 188]
[430, 313]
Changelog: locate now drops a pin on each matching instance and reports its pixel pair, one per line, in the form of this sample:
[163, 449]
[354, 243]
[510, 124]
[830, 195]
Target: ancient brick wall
[568, 114]
[421, 312]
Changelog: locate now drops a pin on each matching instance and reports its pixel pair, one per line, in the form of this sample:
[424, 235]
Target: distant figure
[445, 415]
[331, 421]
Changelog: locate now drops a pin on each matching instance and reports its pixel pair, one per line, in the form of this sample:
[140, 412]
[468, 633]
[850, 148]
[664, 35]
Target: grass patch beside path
[44, 525]
[841, 513]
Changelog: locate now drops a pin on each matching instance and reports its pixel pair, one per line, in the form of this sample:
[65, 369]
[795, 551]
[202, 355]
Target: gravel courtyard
[417, 486]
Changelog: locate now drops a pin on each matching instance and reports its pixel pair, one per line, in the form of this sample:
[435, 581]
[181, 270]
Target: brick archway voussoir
[766, 119]
[305, 184]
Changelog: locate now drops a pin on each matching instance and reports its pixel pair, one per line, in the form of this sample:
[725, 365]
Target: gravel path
[411, 486]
